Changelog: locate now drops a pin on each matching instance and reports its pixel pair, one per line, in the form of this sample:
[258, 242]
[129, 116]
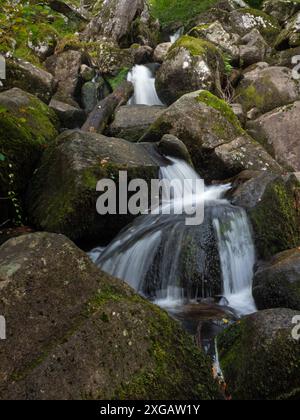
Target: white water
[237, 254]
[143, 81]
[176, 35]
[131, 255]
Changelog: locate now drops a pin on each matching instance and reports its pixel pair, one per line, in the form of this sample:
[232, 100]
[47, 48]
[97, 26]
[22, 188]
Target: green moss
[115, 81]
[195, 46]
[168, 11]
[223, 107]
[276, 220]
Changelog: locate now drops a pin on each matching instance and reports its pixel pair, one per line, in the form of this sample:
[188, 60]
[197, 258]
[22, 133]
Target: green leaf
[2, 157]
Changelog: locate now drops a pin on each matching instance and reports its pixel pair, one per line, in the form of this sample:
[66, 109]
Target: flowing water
[176, 35]
[174, 264]
[143, 79]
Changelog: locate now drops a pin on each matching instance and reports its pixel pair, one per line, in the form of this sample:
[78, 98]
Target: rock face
[266, 88]
[279, 132]
[27, 126]
[62, 196]
[273, 205]
[259, 358]
[69, 326]
[219, 147]
[131, 121]
[24, 75]
[171, 146]
[277, 283]
[191, 64]
[114, 20]
[66, 69]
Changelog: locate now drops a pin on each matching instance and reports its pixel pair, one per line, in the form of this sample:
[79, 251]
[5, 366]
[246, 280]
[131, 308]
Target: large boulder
[27, 126]
[66, 69]
[161, 52]
[131, 121]
[259, 357]
[24, 75]
[218, 145]
[69, 116]
[273, 204]
[69, 326]
[266, 88]
[191, 64]
[276, 283]
[119, 21]
[290, 36]
[253, 48]
[62, 196]
[279, 132]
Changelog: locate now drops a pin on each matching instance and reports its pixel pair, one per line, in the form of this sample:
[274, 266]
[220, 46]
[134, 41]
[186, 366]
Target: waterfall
[176, 35]
[172, 263]
[143, 80]
[237, 256]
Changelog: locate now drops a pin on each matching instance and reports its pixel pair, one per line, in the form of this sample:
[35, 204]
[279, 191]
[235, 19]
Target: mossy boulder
[27, 127]
[243, 20]
[24, 75]
[218, 145]
[276, 283]
[282, 10]
[76, 333]
[290, 36]
[266, 88]
[62, 195]
[191, 64]
[273, 204]
[259, 357]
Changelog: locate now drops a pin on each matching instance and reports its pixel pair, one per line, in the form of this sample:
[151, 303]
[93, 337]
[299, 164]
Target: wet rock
[279, 132]
[93, 92]
[273, 205]
[70, 325]
[24, 75]
[218, 145]
[276, 283]
[191, 64]
[142, 54]
[260, 358]
[132, 121]
[62, 196]
[173, 147]
[266, 88]
[69, 116]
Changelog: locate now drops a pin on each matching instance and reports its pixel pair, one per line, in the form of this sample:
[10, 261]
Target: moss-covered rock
[273, 204]
[276, 283]
[289, 37]
[27, 127]
[259, 357]
[266, 88]
[282, 10]
[24, 75]
[62, 196]
[191, 64]
[218, 145]
[77, 333]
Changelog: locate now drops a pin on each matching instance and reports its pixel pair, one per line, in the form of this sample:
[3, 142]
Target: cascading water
[176, 35]
[143, 80]
[172, 263]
